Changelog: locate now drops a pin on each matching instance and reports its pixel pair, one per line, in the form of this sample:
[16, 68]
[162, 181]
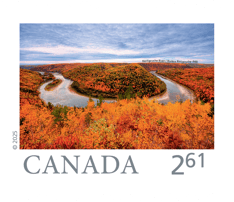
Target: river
[64, 96]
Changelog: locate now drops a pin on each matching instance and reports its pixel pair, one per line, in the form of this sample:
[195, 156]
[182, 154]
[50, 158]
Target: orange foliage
[135, 124]
[200, 80]
[110, 81]
[125, 124]
[29, 83]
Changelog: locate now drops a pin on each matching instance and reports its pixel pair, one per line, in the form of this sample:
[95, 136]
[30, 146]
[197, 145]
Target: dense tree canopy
[111, 81]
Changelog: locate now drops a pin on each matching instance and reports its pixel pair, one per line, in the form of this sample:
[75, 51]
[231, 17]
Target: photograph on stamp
[117, 86]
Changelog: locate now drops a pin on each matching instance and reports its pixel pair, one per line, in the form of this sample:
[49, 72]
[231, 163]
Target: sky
[74, 43]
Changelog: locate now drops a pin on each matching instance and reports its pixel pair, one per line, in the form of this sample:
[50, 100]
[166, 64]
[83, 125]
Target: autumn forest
[132, 121]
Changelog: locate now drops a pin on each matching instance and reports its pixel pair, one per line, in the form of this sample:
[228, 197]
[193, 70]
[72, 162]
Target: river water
[64, 96]
[175, 92]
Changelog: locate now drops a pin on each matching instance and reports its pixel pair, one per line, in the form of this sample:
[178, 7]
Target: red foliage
[200, 80]
[29, 83]
[110, 81]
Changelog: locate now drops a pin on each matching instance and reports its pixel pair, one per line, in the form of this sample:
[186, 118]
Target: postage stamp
[117, 102]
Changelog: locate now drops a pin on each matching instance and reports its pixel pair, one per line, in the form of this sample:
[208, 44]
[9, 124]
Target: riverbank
[175, 91]
[186, 87]
[74, 91]
[199, 80]
[55, 83]
[91, 92]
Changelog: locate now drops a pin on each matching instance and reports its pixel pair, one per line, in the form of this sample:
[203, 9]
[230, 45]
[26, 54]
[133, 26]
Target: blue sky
[60, 43]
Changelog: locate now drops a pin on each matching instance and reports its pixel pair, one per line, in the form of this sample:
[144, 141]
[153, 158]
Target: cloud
[86, 61]
[71, 42]
[63, 50]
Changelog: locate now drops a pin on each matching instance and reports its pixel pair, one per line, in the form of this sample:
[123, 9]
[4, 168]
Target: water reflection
[175, 92]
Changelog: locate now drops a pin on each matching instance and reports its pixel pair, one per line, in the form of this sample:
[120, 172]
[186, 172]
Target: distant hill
[200, 65]
[58, 67]
[27, 66]
[154, 66]
[151, 66]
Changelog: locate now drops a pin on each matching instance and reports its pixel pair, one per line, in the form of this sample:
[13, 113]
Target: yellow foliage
[135, 124]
